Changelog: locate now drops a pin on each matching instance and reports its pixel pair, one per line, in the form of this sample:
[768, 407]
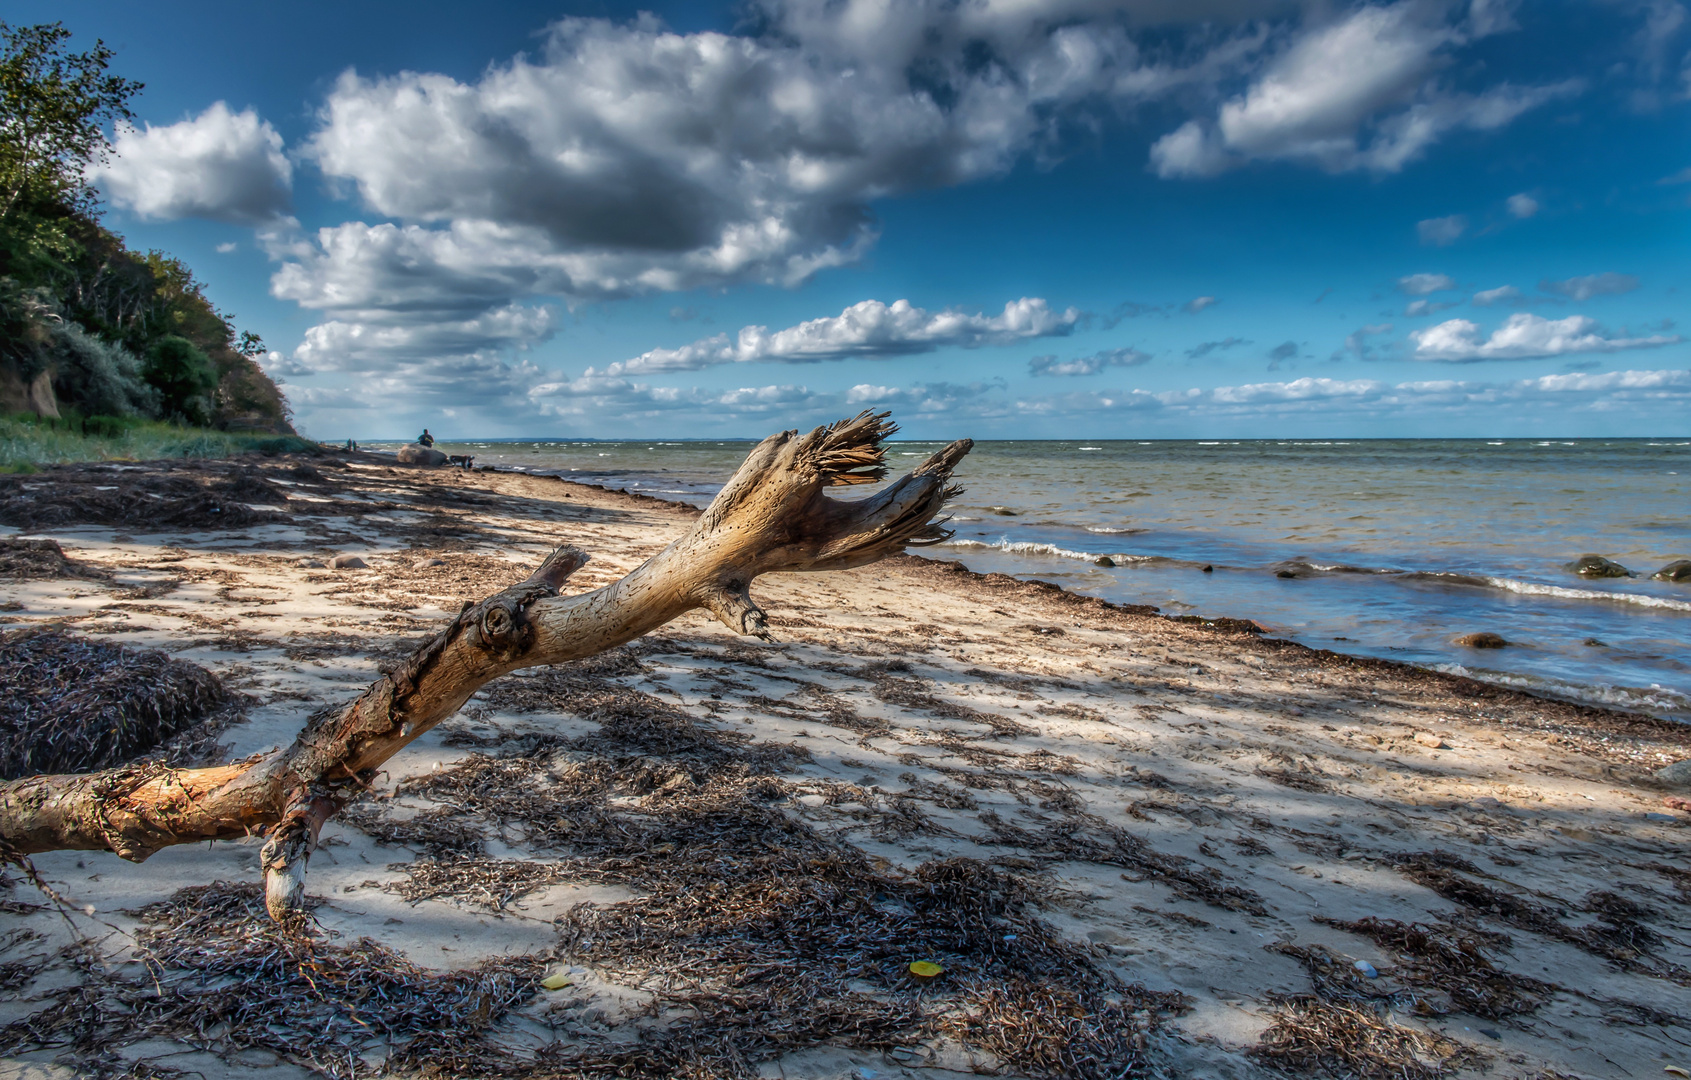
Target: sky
[994, 218]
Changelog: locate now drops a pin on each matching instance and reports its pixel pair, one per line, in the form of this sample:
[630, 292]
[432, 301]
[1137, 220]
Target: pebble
[813, 800]
[1368, 970]
[348, 562]
[1428, 739]
[310, 564]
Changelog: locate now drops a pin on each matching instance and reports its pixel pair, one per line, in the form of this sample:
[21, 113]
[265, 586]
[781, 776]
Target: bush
[184, 377]
[97, 376]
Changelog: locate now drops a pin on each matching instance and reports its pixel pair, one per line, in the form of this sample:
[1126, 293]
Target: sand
[1205, 813]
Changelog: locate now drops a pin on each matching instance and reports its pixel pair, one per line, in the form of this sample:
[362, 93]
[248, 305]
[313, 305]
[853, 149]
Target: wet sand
[1226, 822]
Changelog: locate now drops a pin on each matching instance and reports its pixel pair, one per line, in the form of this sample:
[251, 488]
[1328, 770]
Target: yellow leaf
[556, 982]
[925, 969]
[1675, 1070]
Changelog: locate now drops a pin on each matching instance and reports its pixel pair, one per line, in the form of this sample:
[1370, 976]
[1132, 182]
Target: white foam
[1109, 531]
[1652, 698]
[1530, 588]
[1028, 547]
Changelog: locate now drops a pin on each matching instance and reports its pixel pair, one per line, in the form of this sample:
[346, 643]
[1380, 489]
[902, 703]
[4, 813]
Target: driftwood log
[772, 516]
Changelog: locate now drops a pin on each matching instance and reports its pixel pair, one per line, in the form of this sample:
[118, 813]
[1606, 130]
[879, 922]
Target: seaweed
[68, 704]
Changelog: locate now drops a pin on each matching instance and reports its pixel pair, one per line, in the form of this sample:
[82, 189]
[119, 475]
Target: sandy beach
[1235, 856]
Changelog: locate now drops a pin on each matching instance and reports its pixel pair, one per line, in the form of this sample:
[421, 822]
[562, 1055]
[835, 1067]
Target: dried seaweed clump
[68, 704]
[139, 502]
[1618, 936]
[23, 558]
[1445, 969]
[220, 975]
[1311, 1036]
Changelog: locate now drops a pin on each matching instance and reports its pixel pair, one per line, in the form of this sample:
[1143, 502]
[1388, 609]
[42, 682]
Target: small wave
[1028, 547]
[1530, 588]
[1652, 698]
[1111, 531]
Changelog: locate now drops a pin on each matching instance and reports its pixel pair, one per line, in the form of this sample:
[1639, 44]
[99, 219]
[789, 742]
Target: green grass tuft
[28, 442]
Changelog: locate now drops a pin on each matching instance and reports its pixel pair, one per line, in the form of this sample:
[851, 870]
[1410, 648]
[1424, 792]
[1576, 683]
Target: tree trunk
[772, 516]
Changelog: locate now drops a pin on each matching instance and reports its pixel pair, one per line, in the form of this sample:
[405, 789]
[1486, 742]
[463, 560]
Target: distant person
[352, 444]
[425, 438]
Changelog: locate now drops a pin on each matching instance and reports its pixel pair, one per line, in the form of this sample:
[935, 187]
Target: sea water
[1388, 548]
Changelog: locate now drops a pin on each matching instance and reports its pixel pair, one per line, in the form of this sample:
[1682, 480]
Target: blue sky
[995, 218]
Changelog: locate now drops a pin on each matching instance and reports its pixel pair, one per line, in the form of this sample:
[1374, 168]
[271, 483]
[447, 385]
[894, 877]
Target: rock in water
[1103, 560]
[1596, 566]
[1678, 774]
[1485, 639]
[1676, 572]
[348, 562]
[416, 454]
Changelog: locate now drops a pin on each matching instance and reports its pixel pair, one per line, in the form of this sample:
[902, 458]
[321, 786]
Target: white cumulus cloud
[1363, 91]
[1088, 365]
[1523, 336]
[868, 328]
[222, 165]
[1522, 206]
[1442, 231]
[1503, 294]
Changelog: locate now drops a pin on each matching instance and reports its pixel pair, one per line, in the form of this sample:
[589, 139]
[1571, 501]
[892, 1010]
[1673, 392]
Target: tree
[184, 377]
[772, 516]
[54, 107]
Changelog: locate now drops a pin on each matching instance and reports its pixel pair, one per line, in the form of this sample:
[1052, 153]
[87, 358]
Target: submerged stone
[1596, 566]
[1676, 572]
[1485, 639]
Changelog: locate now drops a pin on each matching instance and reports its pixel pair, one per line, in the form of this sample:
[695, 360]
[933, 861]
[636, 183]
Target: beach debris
[557, 980]
[1678, 774]
[1369, 971]
[1674, 802]
[926, 969]
[25, 558]
[183, 497]
[348, 562]
[424, 564]
[1677, 571]
[1315, 1037]
[69, 704]
[1485, 639]
[1596, 566]
[311, 564]
[1675, 1070]
[1431, 740]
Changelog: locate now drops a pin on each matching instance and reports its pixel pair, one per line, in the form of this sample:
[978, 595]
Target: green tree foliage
[73, 297]
[184, 378]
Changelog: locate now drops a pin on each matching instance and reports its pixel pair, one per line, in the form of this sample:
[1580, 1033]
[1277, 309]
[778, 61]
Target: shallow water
[1393, 547]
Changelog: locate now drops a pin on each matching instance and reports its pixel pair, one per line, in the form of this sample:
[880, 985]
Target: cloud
[1584, 288]
[1503, 294]
[1283, 351]
[1198, 303]
[1360, 92]
[1442, 231]
[1208, 347]
[869, 328]
[1088, 365]
[227, 248]
[1522, 206]
[1417, 308]
[1426, 284]
[1523, 336]
[1356, 342]
[221, 165]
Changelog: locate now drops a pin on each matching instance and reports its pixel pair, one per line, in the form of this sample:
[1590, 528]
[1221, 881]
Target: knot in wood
[501, 626]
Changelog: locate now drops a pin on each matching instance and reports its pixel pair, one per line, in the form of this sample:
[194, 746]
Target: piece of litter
[925, 969]
[1367, 969]
[1009, 937]
[1675, 1070]
[557, 981]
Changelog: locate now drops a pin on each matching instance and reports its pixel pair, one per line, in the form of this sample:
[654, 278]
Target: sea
[1377, 547]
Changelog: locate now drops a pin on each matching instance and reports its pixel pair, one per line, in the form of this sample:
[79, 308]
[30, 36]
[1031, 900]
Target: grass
[27, 442]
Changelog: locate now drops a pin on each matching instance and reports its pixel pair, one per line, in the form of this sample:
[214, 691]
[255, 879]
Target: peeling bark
[772, 516]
